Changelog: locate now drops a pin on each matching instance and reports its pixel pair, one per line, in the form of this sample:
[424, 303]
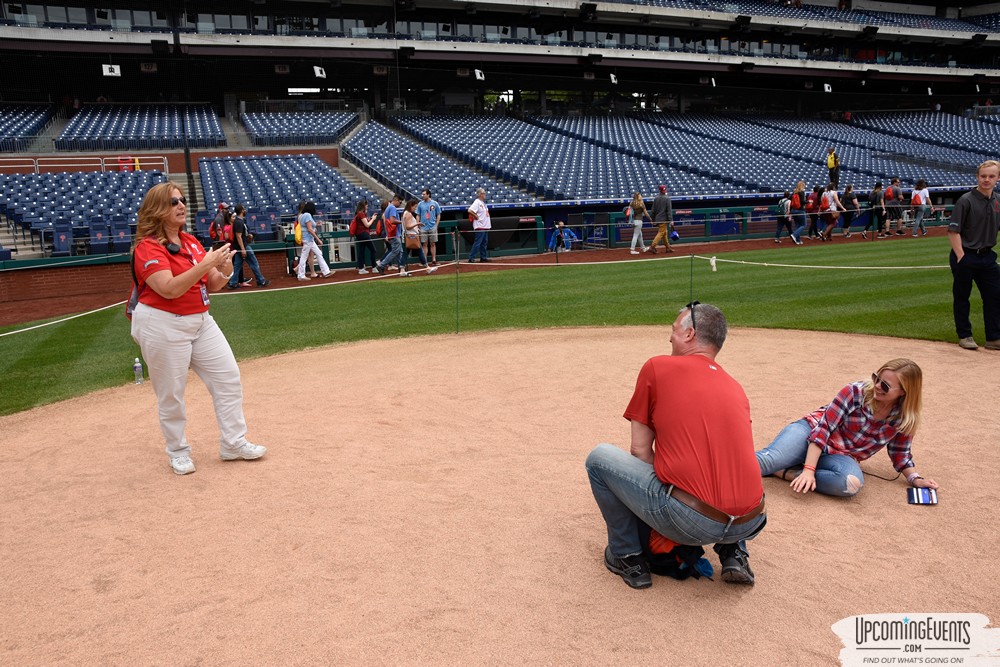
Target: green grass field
[96, 351]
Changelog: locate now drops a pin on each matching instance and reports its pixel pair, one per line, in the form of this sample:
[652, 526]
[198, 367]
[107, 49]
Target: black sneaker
[633, 569]
[735, 564]
[486, 259]
[264, 284]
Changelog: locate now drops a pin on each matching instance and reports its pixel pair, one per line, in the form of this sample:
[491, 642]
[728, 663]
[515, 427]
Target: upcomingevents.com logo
[918, 638]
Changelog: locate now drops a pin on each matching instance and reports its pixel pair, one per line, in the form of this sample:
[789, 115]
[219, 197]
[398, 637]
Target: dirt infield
[452, 523]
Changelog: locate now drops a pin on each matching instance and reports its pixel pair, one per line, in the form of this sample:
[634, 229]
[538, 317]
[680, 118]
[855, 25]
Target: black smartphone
[917, 496]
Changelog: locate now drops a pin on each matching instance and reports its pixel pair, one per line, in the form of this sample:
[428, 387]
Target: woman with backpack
[812, 210]
[635, 211]
[360, 226]
[797, 206]
[851, 208]
[921, 202]
[876, 216]
[310, 243]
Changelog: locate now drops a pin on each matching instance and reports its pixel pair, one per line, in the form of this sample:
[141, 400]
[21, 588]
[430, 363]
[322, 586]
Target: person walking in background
[562, 237]
[877, 214]
[393, 237]
[851, 208]
[663, 215]
[894, 207]
[310, 243]
[972, 232]
[690, 472]
[784, 217]
[411, 235]
[832, 208]
[920, 201]
[480, 226]
[833, 166]
[635, 212]
[798, 210]
[361, 231]
[242, 245]
[813, 203]
[174, 330]
[429, 215]
[822, 450]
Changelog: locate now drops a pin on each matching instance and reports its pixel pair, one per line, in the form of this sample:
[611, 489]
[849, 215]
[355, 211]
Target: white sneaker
[378, 264]
[247, 451]
[304, 278]
[182, 465]
[431, 270]
[362, 272]
[633, 252]
[328, 274]
[404, 274]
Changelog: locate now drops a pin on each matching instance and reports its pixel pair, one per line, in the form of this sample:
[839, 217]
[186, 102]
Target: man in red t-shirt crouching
[691, 474]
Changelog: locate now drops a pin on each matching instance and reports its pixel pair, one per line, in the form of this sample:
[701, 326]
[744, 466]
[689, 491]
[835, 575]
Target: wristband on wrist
[229, 276]
[806, 466]
[913, 476]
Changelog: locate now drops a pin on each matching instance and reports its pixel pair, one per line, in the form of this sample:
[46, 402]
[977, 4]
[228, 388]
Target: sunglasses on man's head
[879, 382]
[690, 307]
[174, 201]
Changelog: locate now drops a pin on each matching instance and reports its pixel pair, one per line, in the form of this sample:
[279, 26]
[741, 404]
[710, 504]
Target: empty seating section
[549, 164]
[147, 126]
[991, 22]
[406, 166]
[940, 129]
[277, 184]
[299, 127]
[98, 207]
[20, 122]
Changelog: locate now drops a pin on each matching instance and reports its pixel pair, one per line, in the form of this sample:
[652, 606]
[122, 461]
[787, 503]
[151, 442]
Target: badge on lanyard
[204, 295]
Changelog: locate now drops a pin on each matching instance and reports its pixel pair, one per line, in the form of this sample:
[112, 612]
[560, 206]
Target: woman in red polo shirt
[173, 328]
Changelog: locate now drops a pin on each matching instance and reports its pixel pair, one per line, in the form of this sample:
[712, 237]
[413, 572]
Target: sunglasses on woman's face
[879, 382]
[174, 201]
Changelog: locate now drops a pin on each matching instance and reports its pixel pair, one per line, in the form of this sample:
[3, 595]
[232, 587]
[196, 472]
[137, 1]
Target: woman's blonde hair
[637, 204]
[801, 185]
[911, 380]
[154, 211]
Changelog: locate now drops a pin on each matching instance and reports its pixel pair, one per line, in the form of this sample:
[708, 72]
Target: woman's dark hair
[361, 206]
[921, 184]
[310, 208]
[410, 205]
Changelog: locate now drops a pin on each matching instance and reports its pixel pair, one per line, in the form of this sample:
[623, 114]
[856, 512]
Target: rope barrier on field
[714, 260]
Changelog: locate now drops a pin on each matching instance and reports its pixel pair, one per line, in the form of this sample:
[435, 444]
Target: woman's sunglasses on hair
[174, 201]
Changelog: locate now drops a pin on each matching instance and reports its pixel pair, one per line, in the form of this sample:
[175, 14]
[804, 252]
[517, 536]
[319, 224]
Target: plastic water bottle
[137, 369]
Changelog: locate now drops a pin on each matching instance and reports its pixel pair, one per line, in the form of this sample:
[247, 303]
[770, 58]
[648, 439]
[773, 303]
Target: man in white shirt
[481, 226]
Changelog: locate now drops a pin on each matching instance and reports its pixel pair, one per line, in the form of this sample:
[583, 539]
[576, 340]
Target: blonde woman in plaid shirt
[822, 450]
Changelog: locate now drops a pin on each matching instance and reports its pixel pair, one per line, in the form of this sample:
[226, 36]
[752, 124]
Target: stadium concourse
[19, 312]
[466, 535]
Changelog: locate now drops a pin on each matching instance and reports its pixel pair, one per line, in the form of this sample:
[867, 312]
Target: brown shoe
[652, 249]
[992, 344]
[968, 343]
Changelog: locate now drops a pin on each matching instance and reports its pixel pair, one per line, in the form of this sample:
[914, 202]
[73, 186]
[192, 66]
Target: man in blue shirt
[393, 236]
[429, 215]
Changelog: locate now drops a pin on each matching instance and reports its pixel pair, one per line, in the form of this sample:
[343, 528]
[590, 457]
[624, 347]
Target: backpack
[796, 201]
[222, 232]
[353, 229]
[916, 200]
[298, 233]
[890, 193]
[378, 225]
[811, 202]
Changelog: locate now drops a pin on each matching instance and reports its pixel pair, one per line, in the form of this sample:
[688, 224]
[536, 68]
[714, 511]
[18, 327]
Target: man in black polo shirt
[972, 232]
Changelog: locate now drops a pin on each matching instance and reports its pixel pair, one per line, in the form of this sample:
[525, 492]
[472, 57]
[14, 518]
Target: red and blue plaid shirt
[847, 426]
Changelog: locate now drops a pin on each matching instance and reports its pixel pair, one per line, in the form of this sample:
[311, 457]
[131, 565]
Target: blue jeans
[627, 490]
[799, 216]
[479, 244]
[251, 262]
[789, 449]
[394, 255]
[918, 220]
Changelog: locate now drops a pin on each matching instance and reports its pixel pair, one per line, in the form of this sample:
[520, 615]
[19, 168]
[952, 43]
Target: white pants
[170, 345]
[311, 247]
[637, 237]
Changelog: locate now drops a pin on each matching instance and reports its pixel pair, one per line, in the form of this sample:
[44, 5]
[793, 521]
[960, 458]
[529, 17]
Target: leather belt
[712, 513]
[978, 251]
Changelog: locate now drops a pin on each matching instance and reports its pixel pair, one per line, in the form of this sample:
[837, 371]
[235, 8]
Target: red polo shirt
[151, 257]
[704, 442]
